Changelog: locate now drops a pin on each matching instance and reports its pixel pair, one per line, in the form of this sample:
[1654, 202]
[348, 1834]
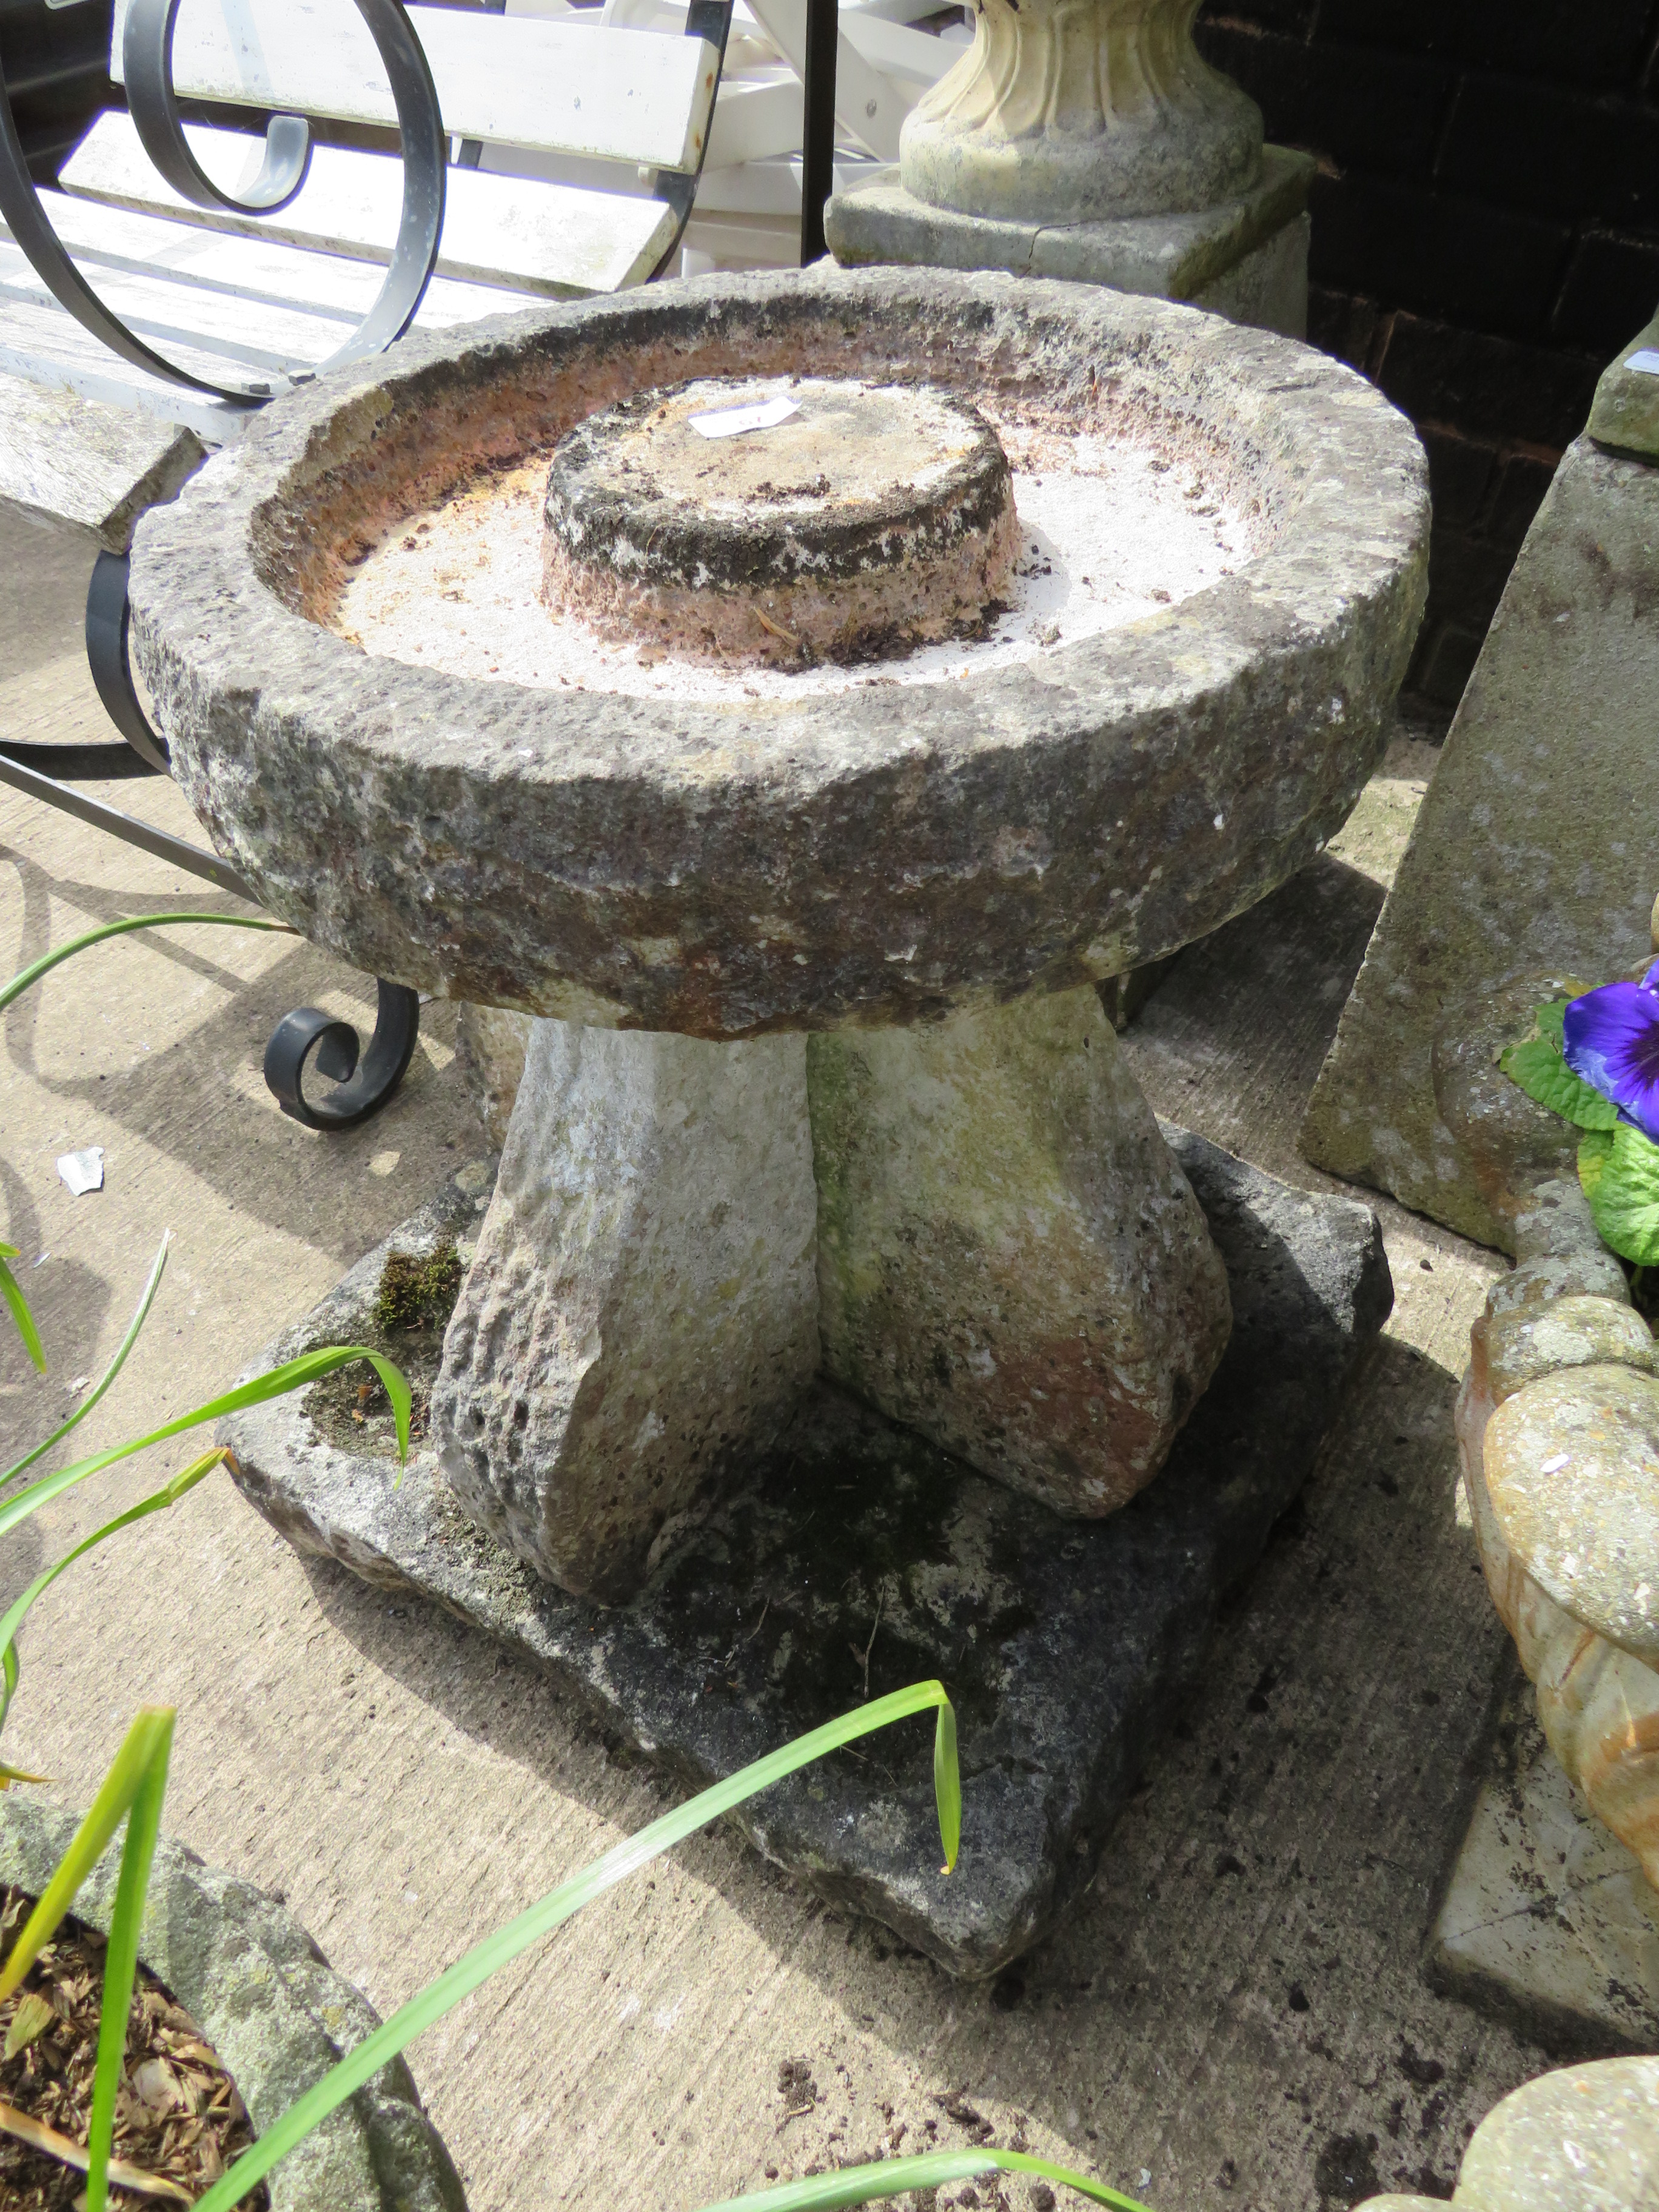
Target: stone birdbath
[798, 693]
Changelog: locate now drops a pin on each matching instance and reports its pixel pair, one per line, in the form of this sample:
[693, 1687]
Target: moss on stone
[415, 1291]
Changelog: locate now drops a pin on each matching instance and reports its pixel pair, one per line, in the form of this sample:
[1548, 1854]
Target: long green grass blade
[292, 1375]
[48, 961]
[109, 1374]
[153, 1725]
[495, 1951]
[157, 1502]
[12, 1291]
[892, 2176]
[121, 1958]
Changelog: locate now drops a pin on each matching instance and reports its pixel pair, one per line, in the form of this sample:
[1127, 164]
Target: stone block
[1067, 1645]
[1534, 847]
[1245, 258]
[1625, 415]
[641, 1310]
[1010, 1262]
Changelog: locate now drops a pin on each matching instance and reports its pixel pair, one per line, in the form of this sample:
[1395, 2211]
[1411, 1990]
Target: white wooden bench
[222, 296]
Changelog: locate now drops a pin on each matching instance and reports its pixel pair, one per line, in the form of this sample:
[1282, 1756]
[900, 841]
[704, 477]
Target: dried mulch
[177, 2115]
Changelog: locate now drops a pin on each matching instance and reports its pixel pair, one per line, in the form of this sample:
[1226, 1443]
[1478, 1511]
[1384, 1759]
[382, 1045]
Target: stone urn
[271, 2007]
[1080, 111]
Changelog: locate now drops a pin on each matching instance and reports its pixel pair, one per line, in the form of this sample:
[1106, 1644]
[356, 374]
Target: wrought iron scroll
[310, 1038]
[147, 50]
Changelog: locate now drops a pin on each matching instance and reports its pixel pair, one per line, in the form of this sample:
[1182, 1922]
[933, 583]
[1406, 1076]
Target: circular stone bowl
[873, 853]
[272, 2008]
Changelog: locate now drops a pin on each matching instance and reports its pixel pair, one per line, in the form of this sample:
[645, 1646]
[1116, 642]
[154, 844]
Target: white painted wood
[746, 242]
[85, 463]
[773, 187]
[50, 349]
[755, 122]
[908, 57]
[869, 107]
[329, 290]
[531, 237]
[559, 85]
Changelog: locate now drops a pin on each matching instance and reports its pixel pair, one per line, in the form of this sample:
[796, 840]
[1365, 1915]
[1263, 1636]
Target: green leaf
[121, 1955]
[893, 2177]
[292, 1375]
[1594, 1151]
[145, 1301]
[1539, 1070]
[12, 1291]
[495, 1951]
[48, 961]
[151, 1728]
[1625, 1199]
[158, 1502]
[1551, 1020]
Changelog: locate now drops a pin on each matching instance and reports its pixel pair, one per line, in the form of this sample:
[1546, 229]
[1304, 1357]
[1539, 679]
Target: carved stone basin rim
[871, 854]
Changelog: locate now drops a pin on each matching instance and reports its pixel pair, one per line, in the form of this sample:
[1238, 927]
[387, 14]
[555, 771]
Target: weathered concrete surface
[1546, 1919]
[1245, 258]
[854, 1540]
[1065, 110]
[1009, 1260]
[490, 1042]
[1624, 415]
[270, 2005]
[1534, 848]
[411, 1788]
[641, 1313]
[874, 853]
[870, 520]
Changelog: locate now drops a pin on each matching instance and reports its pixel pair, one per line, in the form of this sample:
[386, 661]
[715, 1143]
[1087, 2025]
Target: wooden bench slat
[554, 241]
[50, 348]
[330, 289]
[559, 87]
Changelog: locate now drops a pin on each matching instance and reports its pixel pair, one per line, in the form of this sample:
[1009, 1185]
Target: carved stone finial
[1075, 111]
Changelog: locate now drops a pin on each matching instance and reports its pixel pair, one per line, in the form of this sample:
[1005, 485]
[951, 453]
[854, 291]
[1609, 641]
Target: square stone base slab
[1547, 1920]
[860, 1558]
[1246, 259]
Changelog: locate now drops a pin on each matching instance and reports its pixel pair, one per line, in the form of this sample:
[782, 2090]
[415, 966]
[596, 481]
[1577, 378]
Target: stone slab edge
[1171, 256]
[1037, 1809]
[1625, 417]
[272, 2008]
[1545, 1920]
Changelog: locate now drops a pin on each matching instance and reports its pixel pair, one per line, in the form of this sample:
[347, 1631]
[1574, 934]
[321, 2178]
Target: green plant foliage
[132, 1791]
[48, 961]
[140, 1316]
[495, 1951]
[1536, 1066]
[893, 2177]
[12, 1291]
[1624, 1197]
[1594, 1151]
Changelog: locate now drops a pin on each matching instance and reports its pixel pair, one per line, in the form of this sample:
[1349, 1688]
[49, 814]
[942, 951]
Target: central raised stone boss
[822, 1079]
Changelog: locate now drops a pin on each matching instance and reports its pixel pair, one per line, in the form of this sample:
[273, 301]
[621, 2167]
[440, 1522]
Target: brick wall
[1486, 237]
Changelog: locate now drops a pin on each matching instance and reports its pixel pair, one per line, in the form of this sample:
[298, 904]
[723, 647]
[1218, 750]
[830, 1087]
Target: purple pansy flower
[1610, 1040]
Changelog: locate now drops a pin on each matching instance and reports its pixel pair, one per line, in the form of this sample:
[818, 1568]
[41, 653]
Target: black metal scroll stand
[306, 1038]
[818, 160]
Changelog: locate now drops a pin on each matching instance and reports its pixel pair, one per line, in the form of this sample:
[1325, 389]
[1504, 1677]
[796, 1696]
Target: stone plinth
[1009, 1260]
[1067, 1645]
[1245, 258]
[1533, 852]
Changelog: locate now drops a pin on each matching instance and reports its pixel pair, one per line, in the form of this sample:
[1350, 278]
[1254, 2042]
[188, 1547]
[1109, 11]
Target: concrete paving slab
[1547, 1917]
